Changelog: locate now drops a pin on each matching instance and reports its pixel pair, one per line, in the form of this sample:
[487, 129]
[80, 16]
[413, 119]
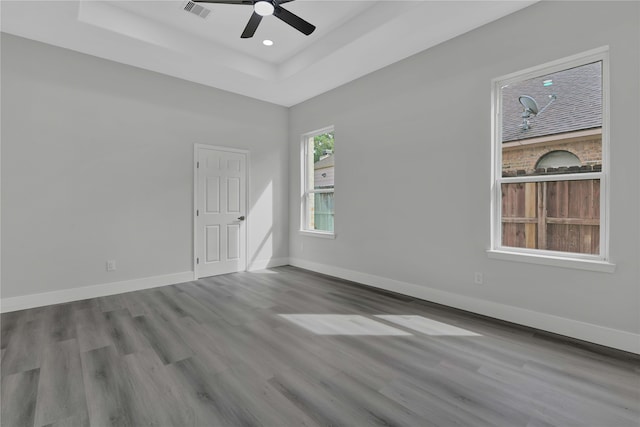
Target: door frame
[247, 185]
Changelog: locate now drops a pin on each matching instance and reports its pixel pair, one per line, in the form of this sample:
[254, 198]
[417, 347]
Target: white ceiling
[353, 38]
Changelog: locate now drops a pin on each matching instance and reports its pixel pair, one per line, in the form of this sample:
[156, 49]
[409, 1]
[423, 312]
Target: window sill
[579, 264]
[321, 234]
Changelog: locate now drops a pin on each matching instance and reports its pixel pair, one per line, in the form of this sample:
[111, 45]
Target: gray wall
[97, 164]
[426, 122]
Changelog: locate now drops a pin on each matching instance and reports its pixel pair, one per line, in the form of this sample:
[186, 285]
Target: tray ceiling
[353, 38]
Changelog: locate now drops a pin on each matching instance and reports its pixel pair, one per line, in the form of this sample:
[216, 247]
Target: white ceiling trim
[358, 40]
[110, 17]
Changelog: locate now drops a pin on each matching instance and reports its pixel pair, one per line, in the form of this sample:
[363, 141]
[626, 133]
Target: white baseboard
[615, 338]
[261, 264]
[84, 292]
[75, 294]
[609, 337]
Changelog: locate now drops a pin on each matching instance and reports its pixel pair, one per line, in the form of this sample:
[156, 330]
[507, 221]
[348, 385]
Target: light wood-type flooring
[287, 347]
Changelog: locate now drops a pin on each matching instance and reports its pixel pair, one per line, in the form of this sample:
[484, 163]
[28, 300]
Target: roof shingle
[578, 105]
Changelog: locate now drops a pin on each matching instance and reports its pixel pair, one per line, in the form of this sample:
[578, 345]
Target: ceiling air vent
[196, 9]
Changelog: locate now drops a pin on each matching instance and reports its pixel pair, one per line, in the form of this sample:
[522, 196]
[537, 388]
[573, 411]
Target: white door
[220, 199]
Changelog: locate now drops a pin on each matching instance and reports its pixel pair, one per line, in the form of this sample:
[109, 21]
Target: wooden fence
[323, 211]
[555, 215]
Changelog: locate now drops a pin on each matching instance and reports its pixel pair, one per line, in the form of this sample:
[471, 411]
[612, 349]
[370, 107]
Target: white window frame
[306, 191]
[600, 262]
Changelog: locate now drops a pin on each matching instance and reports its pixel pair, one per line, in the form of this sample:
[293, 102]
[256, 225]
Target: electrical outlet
[111, 265]
[478, 278]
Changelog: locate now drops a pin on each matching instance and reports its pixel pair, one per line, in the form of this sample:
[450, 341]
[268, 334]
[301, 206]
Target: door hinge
[197, 212]
[197, 260]
[197, 165]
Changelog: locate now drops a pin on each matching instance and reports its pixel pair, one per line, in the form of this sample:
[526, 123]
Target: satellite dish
[530, 105]
[531, 109]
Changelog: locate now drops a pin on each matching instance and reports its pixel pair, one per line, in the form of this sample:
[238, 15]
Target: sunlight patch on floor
[427, 326]
[341, 324]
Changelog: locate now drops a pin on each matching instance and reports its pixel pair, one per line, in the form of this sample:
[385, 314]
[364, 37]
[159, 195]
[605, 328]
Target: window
[557, 159]
[550, 165]
[318, 166]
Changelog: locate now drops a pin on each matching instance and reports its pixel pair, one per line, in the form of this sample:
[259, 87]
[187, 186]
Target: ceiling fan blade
[252, 26]
[249, 2]
[294, 20]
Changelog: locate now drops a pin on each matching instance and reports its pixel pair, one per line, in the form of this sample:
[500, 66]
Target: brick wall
[522, 159]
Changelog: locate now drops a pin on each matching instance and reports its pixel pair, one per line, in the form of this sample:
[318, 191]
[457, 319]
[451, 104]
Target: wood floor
[219, 352]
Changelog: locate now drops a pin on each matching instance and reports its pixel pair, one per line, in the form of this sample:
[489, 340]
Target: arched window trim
[573, 159]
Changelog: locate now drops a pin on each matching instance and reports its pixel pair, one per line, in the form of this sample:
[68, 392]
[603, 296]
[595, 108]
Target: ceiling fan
[265, 8]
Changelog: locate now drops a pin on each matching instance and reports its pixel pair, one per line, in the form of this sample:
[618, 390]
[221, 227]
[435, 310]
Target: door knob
[241, 218]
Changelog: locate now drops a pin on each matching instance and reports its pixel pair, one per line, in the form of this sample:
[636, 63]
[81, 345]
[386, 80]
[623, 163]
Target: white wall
[97, 164]
[424, 222]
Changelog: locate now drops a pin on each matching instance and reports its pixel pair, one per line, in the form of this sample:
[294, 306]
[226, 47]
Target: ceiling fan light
[263, 8]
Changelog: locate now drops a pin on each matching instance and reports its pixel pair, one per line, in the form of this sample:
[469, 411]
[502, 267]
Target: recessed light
[267, 42]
